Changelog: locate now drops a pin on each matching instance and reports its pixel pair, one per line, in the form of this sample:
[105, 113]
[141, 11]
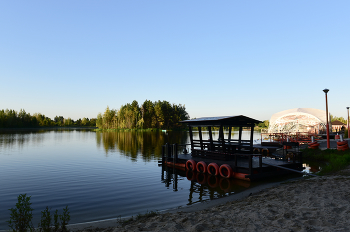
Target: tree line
[22, 119]
[158, 115]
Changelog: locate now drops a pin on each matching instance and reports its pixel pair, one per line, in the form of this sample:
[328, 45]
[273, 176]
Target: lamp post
[328, 143]
[348, 123]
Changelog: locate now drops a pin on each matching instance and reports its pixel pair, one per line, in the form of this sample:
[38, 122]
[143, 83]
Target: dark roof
[239, 120]
[336, 122]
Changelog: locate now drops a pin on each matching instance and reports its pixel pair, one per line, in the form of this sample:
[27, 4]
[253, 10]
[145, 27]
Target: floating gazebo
[228, 157]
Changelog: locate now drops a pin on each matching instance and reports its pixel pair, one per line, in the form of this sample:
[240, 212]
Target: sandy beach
[304, 204]
[307, 204]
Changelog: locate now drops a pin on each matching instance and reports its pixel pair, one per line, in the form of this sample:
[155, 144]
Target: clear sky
[219, 58]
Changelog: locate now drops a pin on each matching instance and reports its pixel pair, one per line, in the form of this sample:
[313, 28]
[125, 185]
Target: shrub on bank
[21, 217]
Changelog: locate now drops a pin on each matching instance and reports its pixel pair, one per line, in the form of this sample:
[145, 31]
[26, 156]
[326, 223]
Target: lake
[99, 175]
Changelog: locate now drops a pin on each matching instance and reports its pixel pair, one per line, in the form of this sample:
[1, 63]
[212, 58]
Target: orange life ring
[190, 175]
[226, 171]
[213, 169]
[342, 143]
[201, 167]
[343, 148]
[256, 150]
[201, 178]
[191, 165]
[213, 181]
[314, 145]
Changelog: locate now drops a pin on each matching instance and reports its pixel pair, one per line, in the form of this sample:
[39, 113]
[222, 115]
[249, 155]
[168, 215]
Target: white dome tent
[298, 120]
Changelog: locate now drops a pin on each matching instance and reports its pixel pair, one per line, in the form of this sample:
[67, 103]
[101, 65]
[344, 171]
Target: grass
[332, 159]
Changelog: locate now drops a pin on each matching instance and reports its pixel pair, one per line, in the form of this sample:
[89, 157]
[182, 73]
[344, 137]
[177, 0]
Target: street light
[328, 143]
[348, 123]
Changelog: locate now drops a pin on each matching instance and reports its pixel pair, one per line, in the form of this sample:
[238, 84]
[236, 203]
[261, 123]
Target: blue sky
[256, 58]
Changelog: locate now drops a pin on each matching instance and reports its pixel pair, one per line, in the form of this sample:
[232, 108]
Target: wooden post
[175, 181]
[229, 133]
[167, 151]
[250, 164]
[211, 139]
[235, 163]
[251, 138]
[175, 153]
[191, 137]
[240, 138]
[200, 137]
[260, 163]
[221, 135]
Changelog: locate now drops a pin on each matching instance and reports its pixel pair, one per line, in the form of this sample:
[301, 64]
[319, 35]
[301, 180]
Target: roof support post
[240, 135]
[221, 135]
[229, 133]
[191, 136]
[210, 138]
[251, 138]
[200, 137]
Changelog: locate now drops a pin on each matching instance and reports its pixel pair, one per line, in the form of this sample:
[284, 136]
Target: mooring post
[251, 164]
[167, 151]
[260, 162]
[175, 153]
[175, 180]
[163, 154]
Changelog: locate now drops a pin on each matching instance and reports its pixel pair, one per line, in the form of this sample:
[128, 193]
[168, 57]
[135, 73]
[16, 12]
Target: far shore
[47, 128]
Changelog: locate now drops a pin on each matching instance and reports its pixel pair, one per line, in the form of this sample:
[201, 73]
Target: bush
[21, 217]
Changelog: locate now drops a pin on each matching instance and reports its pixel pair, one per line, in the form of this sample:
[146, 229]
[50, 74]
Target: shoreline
[108, 224]
[302, 204]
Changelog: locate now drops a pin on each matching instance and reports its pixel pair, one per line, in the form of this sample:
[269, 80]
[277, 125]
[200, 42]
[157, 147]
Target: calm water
[99, 175]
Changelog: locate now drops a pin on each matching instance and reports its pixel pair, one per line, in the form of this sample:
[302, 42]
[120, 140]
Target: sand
[307, 204]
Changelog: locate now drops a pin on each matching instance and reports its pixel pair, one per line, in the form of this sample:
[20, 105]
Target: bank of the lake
[307, 204]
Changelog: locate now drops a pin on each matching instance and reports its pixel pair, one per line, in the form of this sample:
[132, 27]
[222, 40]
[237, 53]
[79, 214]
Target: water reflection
[203, 186]
[137, 143]
[10, 139]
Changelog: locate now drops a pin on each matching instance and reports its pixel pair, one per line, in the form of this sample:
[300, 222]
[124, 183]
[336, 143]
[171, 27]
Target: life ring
[343, 147]
[342, 143]
[225, 184]
[201, 178]
[226, 171]
[201, 167]
[213, 169]
[190, 175]
[191, 165]
[313, 145]
[213, 181]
